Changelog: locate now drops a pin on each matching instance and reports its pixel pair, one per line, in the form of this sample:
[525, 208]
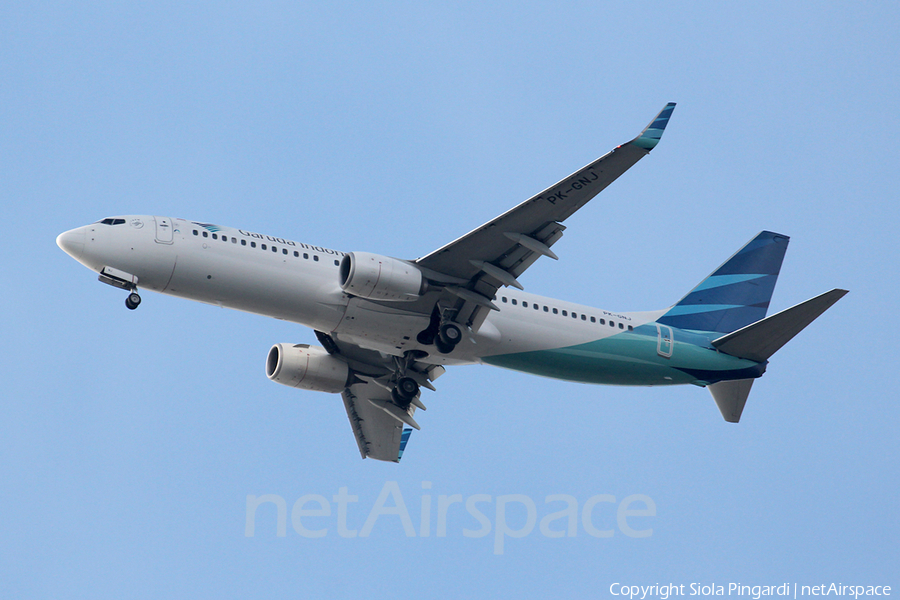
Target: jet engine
[307, 367]
[380, 278]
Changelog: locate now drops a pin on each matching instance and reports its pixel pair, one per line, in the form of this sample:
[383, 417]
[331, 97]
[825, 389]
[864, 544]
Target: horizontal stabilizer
[758, 341]
[730, 397]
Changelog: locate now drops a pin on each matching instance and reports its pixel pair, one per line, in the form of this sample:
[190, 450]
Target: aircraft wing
[378, 434]
[498, 252]
[377, 422]
[515, 239]
[471, 270]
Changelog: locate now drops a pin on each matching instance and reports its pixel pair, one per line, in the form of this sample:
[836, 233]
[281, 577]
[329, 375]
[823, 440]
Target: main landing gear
[132, 301]
[449, 335]
[405, 392]
[442, 331]
[407, 380]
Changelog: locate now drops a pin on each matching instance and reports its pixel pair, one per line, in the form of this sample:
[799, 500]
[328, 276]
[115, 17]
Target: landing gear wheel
[404, 392]
[399, 400]
[442, 347]
[450, 334]
[407, 387]
[132, 301]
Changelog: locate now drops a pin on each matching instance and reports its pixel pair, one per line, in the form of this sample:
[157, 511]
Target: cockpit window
[112, 222]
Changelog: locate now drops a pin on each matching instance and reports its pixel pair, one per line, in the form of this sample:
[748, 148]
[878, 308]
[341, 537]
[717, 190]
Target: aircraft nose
[72, 242]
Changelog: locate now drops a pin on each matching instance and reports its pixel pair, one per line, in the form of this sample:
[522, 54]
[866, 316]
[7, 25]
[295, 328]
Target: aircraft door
[164, 230]
[665, 343]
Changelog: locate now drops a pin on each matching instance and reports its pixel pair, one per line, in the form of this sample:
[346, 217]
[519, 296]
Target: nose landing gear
[123, 281]
[132, 301]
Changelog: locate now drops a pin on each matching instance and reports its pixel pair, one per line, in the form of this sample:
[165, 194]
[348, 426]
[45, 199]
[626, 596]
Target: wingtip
[653, 132]
[404, 439]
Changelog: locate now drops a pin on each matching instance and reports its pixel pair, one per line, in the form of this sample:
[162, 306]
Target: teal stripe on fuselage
[631, 358]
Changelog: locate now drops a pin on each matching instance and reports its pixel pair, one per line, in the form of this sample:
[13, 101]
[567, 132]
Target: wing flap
[378, 434]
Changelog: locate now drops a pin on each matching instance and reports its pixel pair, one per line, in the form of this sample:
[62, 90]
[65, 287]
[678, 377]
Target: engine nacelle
[380, 278]
[307, 367]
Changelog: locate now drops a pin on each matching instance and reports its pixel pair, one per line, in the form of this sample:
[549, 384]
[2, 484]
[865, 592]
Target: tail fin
[737, 293]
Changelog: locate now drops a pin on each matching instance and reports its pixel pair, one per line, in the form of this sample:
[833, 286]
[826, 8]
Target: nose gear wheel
[132, 301]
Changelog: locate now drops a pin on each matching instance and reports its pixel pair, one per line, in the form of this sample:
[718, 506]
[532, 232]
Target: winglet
[404, 439]
[650, 136]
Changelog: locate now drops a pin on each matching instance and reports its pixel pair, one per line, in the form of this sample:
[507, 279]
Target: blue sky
[130, 441]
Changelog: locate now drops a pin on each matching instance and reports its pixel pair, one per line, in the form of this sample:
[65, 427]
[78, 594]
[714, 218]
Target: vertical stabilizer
[737, 293]
[730, 397]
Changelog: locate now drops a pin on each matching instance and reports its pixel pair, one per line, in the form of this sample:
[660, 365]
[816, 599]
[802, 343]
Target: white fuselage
[297, 282]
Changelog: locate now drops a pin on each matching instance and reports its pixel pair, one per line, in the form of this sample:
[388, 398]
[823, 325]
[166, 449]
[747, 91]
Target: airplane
[389, 327]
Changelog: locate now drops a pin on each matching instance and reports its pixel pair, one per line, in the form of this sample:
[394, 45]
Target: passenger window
[555, 311]
[296, 254]
[337, 264]
[514, 301]
[196, 232]
[215, 237]
[536, 307]
[284, 250]
[612, 324]
[263, 246]
[305, 255]
[583, 318]
[593, 319]
[565, 314]
[205, 234]
[603, 321]
[525, 304]
[574, 315]
[253, 244]
[621, 326]
[546, 309]
[316, 257]
[503, 298]
[630, 328]
[234, 240]
[243, 242]
[225, 238]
